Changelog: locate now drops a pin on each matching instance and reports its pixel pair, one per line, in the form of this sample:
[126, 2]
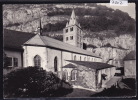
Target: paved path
[80, 93]
[113, 81]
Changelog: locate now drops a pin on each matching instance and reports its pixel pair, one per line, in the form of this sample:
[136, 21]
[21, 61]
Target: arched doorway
[55, 64]
[37, 61]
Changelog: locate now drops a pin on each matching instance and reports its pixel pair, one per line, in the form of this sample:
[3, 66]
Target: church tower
[72, 33]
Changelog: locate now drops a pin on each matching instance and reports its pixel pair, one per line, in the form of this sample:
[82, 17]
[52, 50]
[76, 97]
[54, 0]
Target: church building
[67, 59]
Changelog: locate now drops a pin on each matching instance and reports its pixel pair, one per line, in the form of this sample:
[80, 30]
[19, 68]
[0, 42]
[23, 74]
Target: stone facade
[88, 77]
[130, 68]
[72, 33]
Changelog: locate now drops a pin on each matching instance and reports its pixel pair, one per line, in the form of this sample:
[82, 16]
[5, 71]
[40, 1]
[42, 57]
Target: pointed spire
[67, 24]
[73, 19]
[39, 29]
[40, 26]
[73, 15]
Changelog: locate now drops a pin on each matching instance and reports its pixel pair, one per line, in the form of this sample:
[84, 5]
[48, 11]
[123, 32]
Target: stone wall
[130, 68]
[110, 72]
[85, 77]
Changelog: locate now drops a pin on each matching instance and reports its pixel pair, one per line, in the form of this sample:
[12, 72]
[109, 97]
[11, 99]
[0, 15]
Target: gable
[36, 40]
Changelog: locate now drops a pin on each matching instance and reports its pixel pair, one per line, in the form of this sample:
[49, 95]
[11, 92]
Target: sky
[130, 9]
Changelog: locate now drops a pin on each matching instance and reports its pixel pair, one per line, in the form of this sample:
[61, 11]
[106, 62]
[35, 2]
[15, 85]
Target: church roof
[15, 39]
[131, 56]
[49, 42]
[69, 66]
[92, 65]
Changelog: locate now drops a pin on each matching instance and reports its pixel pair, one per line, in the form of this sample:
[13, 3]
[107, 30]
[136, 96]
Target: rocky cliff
[103, 25]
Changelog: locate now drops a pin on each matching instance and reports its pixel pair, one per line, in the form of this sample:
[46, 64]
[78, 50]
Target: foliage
[54, 27]
[91, 46]
[95, 20]
[34, 82]
[4, 60]
[13, 24]
[107, 45]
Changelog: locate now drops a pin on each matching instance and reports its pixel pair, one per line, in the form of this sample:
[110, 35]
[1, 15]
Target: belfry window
[71, 37]
[37, 61]
[66, 30]
[66, 38]
[71, 29]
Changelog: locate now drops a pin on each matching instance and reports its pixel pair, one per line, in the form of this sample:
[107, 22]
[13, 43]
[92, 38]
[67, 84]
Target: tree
[5, 59]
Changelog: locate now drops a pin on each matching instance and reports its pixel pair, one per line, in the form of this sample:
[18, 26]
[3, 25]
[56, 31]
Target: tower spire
[73, 19]
[40, 25]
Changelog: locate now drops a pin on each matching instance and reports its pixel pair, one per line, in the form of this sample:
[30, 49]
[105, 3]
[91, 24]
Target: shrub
[34, 82]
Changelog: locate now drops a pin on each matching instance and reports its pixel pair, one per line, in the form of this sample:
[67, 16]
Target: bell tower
[72, 33]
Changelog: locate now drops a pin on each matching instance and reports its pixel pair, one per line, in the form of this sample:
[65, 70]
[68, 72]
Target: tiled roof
[69, 66]
[131, 56]
[14, 39]
[92, 65]
[49, 42]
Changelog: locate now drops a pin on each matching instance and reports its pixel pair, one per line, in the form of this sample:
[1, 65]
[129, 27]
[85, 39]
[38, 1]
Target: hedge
[34, 82]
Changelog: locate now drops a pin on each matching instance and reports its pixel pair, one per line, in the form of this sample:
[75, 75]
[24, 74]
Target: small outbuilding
[92, 75]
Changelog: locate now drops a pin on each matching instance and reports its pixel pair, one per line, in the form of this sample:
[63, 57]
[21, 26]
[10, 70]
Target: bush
[34, 82]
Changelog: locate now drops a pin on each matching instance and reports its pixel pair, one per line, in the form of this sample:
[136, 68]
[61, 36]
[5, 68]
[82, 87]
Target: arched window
[84, 58]
[75, 57]
[65, 75]
[55, 64]
[73, 74]
[92, 59]
[88, 59]
[37, 61]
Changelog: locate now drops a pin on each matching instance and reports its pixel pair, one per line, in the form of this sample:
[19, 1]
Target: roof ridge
[68, 45]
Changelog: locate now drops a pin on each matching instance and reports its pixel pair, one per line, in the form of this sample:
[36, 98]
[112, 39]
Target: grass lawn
[80, 93]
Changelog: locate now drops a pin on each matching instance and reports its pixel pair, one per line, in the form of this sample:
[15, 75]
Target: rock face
[26, 17]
